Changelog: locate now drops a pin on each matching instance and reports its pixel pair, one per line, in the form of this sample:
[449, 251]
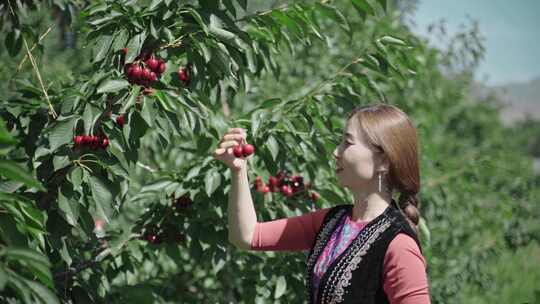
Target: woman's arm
[241, 212]
[405, 279]
[295, 233]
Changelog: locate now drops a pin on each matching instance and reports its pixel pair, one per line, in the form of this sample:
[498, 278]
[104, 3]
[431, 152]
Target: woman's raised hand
[234, 137]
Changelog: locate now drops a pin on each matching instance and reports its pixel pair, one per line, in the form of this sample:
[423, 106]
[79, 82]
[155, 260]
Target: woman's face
[355, 162]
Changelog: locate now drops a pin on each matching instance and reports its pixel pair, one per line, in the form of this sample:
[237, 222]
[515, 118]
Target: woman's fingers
[233, 137]
[236, 130]
[227, 144]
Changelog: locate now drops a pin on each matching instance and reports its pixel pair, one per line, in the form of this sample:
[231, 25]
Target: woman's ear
[384, 163]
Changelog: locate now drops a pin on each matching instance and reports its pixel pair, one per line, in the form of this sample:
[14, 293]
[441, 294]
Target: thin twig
[36, 69]
[33, 47]
[331, 78]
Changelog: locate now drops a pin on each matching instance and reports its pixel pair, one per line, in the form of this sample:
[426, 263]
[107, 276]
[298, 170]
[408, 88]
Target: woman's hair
[389, 130]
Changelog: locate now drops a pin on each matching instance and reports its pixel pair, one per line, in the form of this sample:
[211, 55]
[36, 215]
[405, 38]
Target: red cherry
[94, 142]
[120, 120]
[87, 139]
[183, 75]
[285, 189]
[98, 224]
[146, 74]
[152, 63]
[162, 67]
[298, 178]
[183, 202]
[314, 196]
[127, 69]
[153, 77]
[265, 189]
[136, 73]
[104, 142]
[238, 151]
[247, 150]
[153, 238]
[273, 181]
[78, 140]
[180, 237]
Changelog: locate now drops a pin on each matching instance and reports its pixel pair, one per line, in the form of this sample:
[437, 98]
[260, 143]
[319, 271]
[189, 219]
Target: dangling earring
[380, 182]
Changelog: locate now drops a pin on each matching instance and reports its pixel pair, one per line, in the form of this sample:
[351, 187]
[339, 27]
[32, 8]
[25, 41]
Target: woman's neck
[369, 206]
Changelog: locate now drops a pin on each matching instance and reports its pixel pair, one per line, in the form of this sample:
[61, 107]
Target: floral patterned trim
[350, 266]
[319, 246]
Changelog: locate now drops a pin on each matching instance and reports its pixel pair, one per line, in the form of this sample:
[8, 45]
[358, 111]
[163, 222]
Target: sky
[511, 30]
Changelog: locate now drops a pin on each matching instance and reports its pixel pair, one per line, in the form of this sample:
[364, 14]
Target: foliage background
[479, 194]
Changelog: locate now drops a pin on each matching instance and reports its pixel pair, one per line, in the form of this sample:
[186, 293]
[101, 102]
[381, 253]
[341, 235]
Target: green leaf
[132, 99]
[102, 48]
[134, 46]
[3, 277]
[156, 186]
[90, 115]
[221, 33]
[103, 198]
[5, 137]
[363, 8]
[38, 263]
[11, 170]
[272, 146]
[148, 112]
[384, 4]
[392, 40]
[70, 208]
[61, 132]
[154, 5]
[112, 85]
[14, 42]
[333, 13]
[424, 230]
[212, 180]
[281, 287]
[44, 293]
[197, 18]
[19, 285]
[26, 254]
[165, 102]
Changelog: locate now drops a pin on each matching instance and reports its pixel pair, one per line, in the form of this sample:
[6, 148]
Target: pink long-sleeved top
[404, 277]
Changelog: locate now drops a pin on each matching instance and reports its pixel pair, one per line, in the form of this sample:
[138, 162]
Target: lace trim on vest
[334, 288]
[319, 246]
[333, 292]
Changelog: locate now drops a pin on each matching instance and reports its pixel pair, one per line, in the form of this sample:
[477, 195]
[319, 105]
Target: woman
[366, 252]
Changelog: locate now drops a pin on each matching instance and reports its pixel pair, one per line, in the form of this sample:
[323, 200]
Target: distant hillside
[518, 99]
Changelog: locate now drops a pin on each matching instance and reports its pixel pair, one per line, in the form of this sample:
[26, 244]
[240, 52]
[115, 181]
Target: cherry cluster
[169, 232]
[91, 141]
[289, 186]
[243, 150]
[145, 70]
[181, 203]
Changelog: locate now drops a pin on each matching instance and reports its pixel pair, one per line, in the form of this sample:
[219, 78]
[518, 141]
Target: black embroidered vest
[355, 276]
